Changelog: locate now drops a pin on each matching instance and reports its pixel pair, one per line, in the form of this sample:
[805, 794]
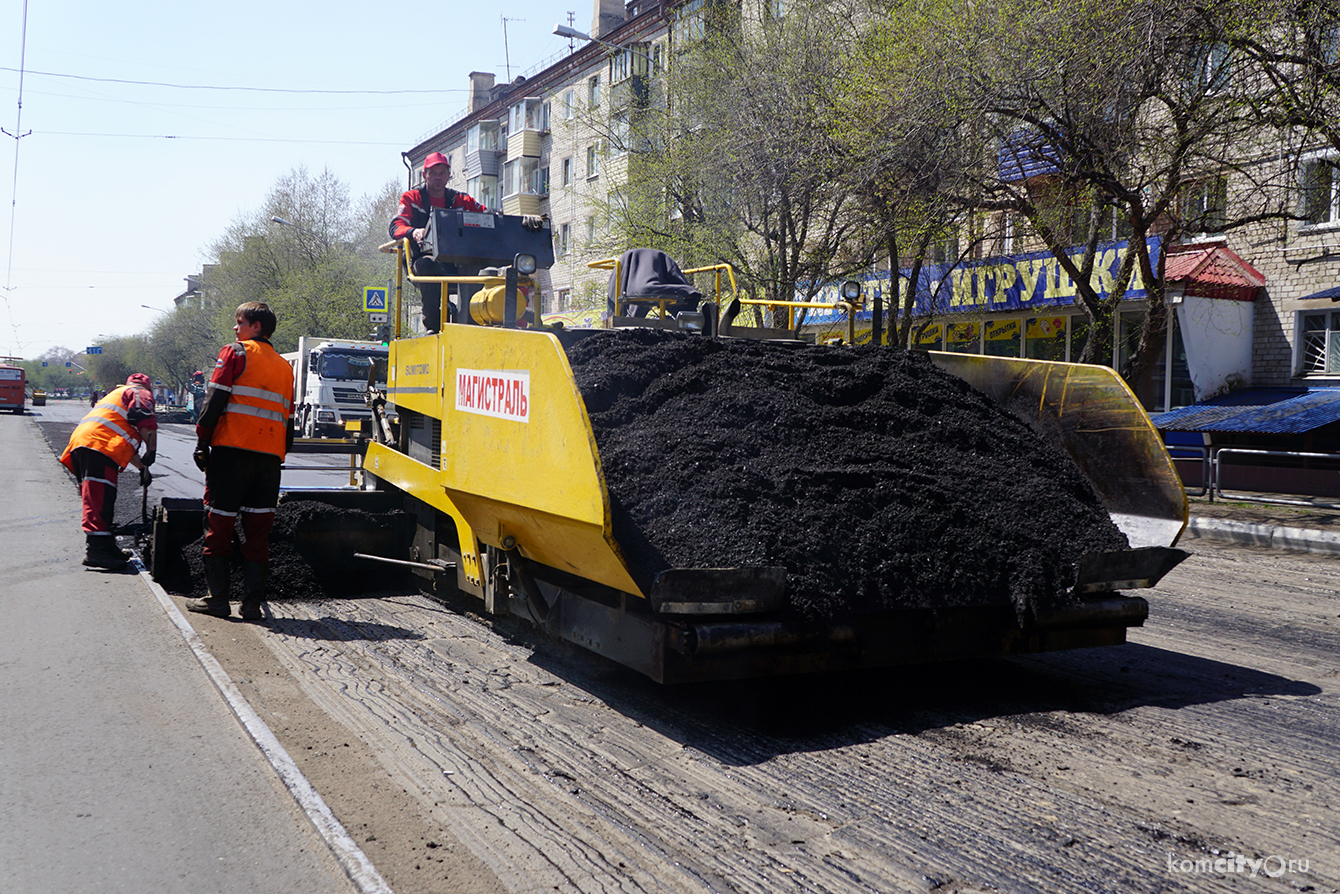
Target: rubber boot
[254, 576]
[102, 552]
[218, 582]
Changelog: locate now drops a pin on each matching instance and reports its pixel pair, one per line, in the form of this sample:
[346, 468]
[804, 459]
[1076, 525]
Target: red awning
[1212, 272]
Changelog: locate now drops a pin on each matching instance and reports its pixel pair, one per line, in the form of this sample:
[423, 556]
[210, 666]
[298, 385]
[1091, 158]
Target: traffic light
[382, 333]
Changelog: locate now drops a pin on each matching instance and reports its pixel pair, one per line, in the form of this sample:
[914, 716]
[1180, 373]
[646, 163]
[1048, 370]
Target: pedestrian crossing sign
[374, 299]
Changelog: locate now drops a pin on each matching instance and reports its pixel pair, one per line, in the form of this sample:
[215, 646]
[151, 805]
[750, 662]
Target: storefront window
[1003, 337]
[1128, 336]
[929, 337]
[1044, 338]
[963, 338]
[1079, 335]
[1183, 394]
[1149, 387]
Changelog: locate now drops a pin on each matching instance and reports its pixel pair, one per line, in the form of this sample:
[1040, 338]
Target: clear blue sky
[121, 186]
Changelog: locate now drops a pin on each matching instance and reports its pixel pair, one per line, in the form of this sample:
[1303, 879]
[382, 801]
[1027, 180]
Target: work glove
[201, 456]
[532, 221]
[145, 477]
[149, 457]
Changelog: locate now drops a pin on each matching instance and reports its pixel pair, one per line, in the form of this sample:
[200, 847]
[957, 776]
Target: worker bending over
[105, 442]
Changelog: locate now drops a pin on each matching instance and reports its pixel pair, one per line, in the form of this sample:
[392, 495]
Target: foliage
[729, 165]
[1083, 120]
[312, 269]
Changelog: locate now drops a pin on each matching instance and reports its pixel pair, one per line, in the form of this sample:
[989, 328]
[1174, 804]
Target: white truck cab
[330, 383]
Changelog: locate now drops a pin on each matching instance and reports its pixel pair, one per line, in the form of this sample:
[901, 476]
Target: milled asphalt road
[121, 767]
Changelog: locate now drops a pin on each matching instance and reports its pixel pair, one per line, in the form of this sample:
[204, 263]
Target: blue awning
[1333, 293]
[1276, 411]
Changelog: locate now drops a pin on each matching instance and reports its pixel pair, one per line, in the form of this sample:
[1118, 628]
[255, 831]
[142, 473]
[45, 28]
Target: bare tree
[734, 160]
[1086, 122]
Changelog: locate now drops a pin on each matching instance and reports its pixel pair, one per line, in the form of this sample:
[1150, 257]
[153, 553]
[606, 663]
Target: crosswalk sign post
[374, 299]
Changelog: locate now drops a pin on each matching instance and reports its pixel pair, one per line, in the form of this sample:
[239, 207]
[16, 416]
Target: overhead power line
[168, 136]
[74, 77]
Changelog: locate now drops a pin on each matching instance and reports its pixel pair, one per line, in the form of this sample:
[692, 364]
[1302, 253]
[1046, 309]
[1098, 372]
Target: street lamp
[159, 309]
[282, 222]
[573, 33]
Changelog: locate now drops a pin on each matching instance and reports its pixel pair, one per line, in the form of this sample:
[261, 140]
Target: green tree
[311, 268]
[1093, 116]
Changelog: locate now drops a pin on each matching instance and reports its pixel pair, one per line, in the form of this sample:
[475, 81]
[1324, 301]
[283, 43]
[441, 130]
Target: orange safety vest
[107, 430]
[257, 414]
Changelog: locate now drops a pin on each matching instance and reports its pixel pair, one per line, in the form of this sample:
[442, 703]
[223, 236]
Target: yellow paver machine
[495, 456]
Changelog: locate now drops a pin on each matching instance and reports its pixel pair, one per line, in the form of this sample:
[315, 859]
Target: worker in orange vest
[242, 436]
[105, 442]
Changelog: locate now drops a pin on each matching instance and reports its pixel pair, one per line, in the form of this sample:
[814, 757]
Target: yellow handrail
[617, 266]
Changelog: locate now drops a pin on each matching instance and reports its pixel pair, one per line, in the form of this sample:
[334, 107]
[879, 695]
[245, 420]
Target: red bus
[13, 379]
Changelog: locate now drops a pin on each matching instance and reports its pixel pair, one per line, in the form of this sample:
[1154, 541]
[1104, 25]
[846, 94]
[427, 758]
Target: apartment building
[556, 143]
[1257, 306]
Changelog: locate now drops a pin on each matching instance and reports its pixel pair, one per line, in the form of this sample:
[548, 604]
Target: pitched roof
[1258, 410]
[1213, 272]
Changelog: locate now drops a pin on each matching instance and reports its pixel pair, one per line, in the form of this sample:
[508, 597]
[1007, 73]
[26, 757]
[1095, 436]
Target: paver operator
[411, 220]
[102, 444]
[242, 436]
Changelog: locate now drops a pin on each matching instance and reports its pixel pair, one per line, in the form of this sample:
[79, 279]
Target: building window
[482, 137]
[484, 190]
[1203, 205]
[690, 23]
[593, 160]
[590, 230]
[620, 133]
[1319, 346]
[627, 62]
[593, 91]
[561, 243]
[569, 105]
[567, 171]
[1321, 191]
[522, 177]
[529, 114]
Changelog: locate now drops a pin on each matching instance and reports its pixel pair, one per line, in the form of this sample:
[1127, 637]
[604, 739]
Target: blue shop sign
[1014, 283]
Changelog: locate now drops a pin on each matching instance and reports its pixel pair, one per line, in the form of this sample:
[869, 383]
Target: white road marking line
[350, 856]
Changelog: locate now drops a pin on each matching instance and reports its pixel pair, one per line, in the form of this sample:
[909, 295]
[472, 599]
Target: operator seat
[649, 276]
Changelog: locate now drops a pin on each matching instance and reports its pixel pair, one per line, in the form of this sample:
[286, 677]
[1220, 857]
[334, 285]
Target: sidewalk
[122, 769]
[1307, 528]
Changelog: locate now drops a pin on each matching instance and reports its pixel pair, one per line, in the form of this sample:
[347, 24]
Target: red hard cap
[138, 379]
[436, 158]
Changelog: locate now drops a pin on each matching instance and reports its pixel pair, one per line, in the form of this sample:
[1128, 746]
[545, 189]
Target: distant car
[39, 398]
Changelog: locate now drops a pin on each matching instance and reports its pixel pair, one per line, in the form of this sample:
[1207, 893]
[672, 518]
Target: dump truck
[330, 379]
[483, 436]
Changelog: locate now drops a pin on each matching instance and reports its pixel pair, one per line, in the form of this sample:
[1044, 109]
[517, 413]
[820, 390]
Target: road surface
[474, 754]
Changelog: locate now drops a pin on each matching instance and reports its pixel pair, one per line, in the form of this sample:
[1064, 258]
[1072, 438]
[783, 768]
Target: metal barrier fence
[1183, 452]
[1215, 480]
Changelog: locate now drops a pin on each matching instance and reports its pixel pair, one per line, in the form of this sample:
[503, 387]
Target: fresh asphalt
[122, 766]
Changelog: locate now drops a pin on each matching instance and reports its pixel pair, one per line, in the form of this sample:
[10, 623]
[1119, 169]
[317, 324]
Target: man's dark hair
[258, 312]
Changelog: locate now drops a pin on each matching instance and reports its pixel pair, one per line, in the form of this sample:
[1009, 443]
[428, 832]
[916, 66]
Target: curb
[350, 856]
[1272, 536]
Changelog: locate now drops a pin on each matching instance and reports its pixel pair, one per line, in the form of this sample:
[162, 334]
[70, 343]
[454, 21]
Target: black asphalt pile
[876, 479]
[311, 554]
